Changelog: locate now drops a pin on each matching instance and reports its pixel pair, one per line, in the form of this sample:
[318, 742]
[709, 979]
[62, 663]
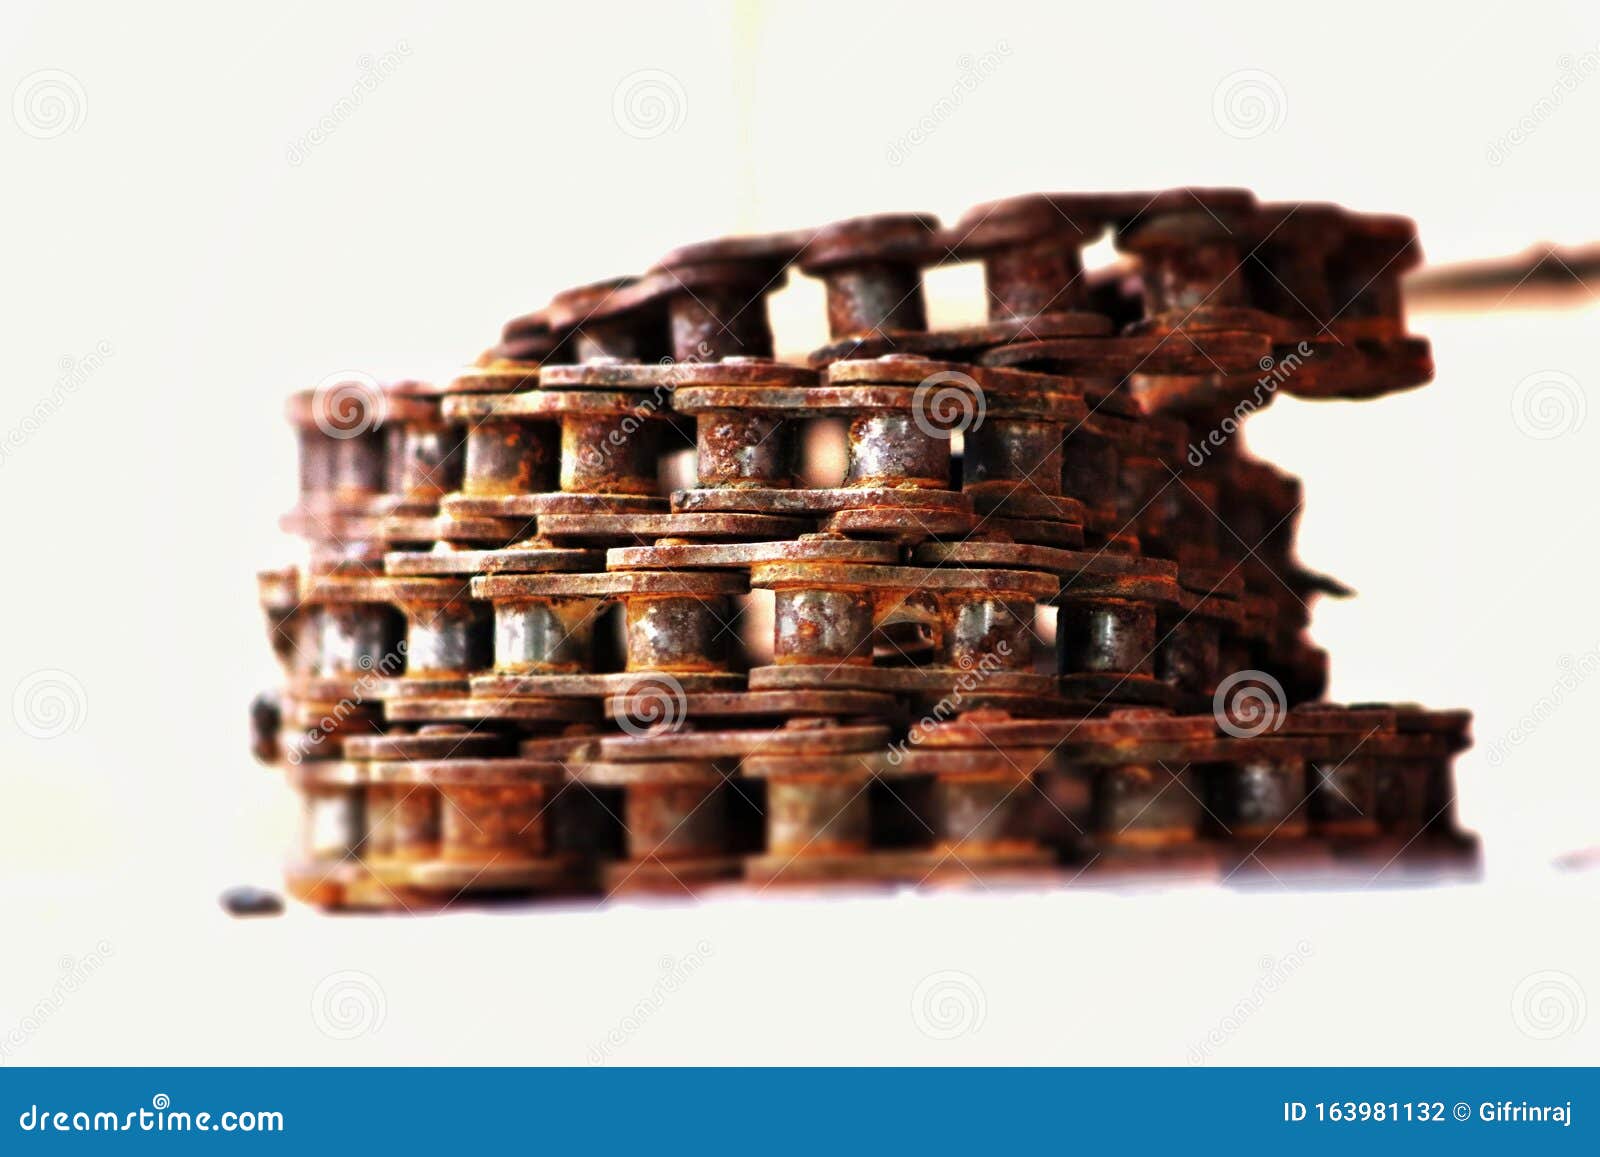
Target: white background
[161, 211]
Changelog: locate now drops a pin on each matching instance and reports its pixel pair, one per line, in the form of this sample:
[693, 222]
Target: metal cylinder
[356, 638]
[1141, 804]
[818, 625]
[675, 820]
[1043, 276]
[1006, 452]
[1183, 278]
[609, 453]
[874, 297]
[685, 633]
[481, 821]
[449, 637]
[720, 321]
[1344, 795]
[318, 465]
[738, 448]
[359, 469]
[988, 633]
[1260, 796]
[509, 456]
[1090, 465]
[544, 636]
[1188, 654]
[893, 449]
[978, 813]
[1110, 635]
[817, 816]
[423, 462]
[402, 821]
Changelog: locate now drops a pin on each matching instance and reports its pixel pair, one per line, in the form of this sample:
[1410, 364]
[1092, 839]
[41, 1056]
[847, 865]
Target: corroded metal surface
[593, 616]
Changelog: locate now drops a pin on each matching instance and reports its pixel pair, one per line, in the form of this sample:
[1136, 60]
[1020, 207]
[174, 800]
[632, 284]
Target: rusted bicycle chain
[422, 819]
[513, 663]
[748, 416]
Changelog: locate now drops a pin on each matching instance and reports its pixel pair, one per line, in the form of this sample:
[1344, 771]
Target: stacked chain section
[631, 604]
